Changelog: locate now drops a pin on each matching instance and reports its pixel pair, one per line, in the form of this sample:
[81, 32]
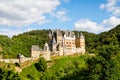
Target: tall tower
[77, 41]
[54, 44]
[50, 35]
[50, 40]
[82, 42]
[59, 37]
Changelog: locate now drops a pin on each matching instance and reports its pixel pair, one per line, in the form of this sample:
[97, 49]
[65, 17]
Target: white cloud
[111, 22]
[107, 24]
[43, 20]
[87, 25]
[102, 6]
[24, 12]
[112, 6]
[61, 16]
[90, 26]
[9, 32]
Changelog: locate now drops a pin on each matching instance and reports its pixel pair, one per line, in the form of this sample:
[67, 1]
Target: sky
[96, 16]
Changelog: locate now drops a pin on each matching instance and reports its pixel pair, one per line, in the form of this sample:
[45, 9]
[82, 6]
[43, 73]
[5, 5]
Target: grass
[58, 67]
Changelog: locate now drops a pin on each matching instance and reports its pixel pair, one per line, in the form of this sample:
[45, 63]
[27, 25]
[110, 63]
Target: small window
[69, 42]
[73, 43]
[66, 42]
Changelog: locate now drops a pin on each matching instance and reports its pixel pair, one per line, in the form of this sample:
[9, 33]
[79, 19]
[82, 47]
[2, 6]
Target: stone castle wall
[9, 60]
[20, 60]
[23, 59]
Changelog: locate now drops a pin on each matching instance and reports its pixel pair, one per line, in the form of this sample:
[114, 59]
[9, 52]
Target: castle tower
[54, 44]
[50, 35]
[59, 37]
[46, 47]
[77, 41]
[35, 51]
[82, 40]
[46, 53]
[82, 43]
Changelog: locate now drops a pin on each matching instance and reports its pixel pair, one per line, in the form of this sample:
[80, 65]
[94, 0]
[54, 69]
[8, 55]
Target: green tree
[8, 75]
[103, 65]
[41, 65]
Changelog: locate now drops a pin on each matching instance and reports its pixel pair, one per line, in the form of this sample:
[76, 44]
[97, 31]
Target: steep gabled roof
[54, 40]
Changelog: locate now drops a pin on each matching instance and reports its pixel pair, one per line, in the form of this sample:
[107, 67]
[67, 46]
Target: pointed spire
[81, 35]
[46, 47]
[50, 34]
[73, 34]
[54, 40]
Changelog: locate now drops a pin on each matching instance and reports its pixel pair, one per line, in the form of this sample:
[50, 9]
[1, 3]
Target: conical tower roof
[81, 35]
[54, 40]
[50, 33]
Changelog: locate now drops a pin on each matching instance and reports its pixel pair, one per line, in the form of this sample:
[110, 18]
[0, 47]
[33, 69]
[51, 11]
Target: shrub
[41, 65]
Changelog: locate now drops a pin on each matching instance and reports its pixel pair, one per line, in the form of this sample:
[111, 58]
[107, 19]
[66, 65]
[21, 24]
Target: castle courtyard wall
[9, 60]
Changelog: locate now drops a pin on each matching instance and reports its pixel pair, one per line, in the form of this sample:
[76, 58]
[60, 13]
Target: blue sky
[18, 16]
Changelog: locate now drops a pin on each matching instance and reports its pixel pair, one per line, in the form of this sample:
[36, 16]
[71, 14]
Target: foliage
[59, 69]
[104, 65]
[30, 73]
[41, 65]
[22, 43]
[8, 75]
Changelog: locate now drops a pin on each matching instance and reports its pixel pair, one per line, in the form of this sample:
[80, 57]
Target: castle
[66, 43]
[60, 43]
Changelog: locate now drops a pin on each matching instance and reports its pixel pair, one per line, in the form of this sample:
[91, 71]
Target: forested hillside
[11, 47]
[59, 69]
[95, 41]
[104, 65]
[21, 43]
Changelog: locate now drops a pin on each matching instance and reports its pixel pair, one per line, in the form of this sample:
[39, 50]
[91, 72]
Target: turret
[54, 44]
[54, 41]
[82, 41]
[77, 41]
[59, 37]
[46, 47]
[50, 35]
